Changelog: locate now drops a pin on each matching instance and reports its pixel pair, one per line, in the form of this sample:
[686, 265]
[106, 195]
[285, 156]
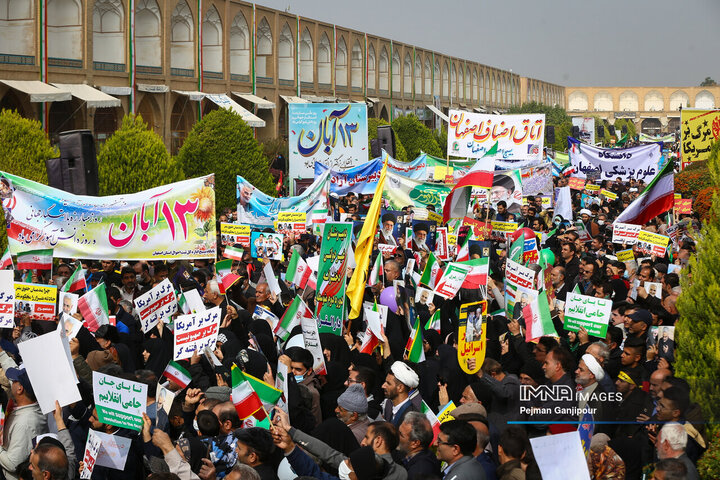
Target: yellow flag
[363, 250]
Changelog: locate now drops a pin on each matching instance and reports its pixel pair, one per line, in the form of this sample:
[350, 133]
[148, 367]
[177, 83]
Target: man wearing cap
[400, 394]
[23, 423]
[352, 407]
[640, 323]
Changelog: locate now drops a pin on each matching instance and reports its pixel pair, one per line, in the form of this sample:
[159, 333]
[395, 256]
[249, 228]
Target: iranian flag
[93, 307]
[376, 271]
[291, 318]
[223, 269]
[177, 374]
[478, 276]
[463, 253]
[298, 271]
[432, 273]
[434, 322]
[432, 418]
[414, 348]
[233, 253]
[657, 198]
[373, 331]
[537, 318]
[76, 280]
[479, 176]
[35, 260]
[6, 260]
[269, 395]
[246, 400]
[182, 302]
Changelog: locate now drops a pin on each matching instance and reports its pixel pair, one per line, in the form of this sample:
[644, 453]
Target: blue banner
[363, 179]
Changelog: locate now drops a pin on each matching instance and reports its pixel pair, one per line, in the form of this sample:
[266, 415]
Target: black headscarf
[159, 357]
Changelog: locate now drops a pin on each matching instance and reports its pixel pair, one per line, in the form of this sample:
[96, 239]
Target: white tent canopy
[39, 91]
[93, 97]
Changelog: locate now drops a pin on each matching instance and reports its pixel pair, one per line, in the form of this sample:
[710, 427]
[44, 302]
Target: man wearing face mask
[300, 364]
[142, 275]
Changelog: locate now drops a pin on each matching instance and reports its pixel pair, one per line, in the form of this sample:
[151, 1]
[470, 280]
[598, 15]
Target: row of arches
[322, 60]
[629, 101]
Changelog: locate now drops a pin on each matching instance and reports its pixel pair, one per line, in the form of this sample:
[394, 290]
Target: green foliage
[415, 137]
[400, 152]
[697, 331]
[708, 82]
[555, 116]
[709, 464]
[24, 147]
[272, 148]
[631, 129]
[223, 144]
[134, 159]
[441, 139]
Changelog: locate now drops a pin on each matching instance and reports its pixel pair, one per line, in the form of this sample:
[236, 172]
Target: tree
[555, 116]
[134, 159]
[373, 123]
[24, 147]
[223, 144]
[708, 82]
[698, 329]
[415, 137]
[631, 129]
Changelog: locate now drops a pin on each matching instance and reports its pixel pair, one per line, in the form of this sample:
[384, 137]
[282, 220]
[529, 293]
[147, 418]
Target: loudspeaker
[600, 130]
[386, 139]
[76, 170]
[576, 131]
[624, 129]
[550, 134]
[611, 128]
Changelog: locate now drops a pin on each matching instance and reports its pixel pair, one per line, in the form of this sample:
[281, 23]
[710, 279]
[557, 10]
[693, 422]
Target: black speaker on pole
[576, 131]
[550, 134]
[624, 129]
[600, 130]
[76, 170]
[611, 128]
[386, 140]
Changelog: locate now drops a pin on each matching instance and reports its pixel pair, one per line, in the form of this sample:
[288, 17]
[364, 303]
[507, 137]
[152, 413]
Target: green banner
[332, 272]
[402, 191]
[119, 418]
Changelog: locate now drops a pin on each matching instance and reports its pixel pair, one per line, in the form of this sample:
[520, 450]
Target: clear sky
[568, 42]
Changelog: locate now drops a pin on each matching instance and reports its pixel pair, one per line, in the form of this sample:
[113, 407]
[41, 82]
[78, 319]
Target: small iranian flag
[94, 309]
[291, 318]
[269, 395]
[537, 318]
[182, 302]
[223, 269]
[35, 260]
[478, 276]
[298, 271]
[6, 260]
[432, 273]
[246, 401]
[373, 331]
[657, 198]
[434, 322]
[233, 253]
[432, 418]
[376, 271]
[576, 289]
[177, 374]
[76, 280]
[414, 348]
[463, 254]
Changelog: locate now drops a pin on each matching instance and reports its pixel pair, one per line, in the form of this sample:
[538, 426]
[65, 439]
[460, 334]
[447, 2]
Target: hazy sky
[572, 43]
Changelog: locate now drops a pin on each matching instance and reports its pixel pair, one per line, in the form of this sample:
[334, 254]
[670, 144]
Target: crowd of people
[365, 419]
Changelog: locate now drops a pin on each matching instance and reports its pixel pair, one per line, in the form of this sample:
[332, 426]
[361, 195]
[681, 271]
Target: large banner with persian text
[334, 134]
[519, 137]
[175, 221]
[640, 163]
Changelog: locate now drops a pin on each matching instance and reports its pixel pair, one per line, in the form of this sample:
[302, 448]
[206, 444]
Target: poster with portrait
[472, 335]
[507, 187]
[266, 245]
[68, 302]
